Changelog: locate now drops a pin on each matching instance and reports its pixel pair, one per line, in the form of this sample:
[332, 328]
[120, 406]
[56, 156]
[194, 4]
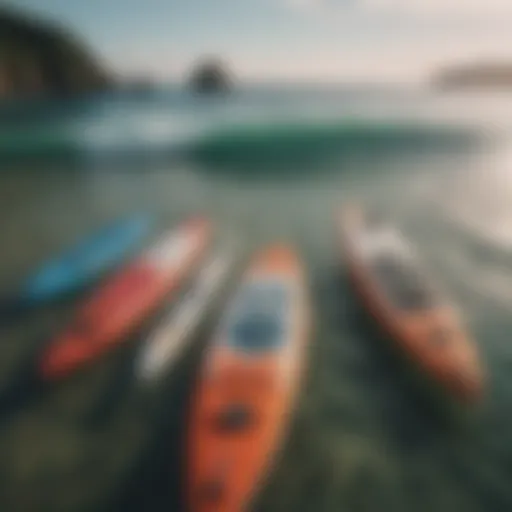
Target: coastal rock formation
[38, 59]
[486, 75]
[210, 76]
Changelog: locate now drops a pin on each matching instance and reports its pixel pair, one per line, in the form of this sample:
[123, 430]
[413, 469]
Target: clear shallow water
[267, 165]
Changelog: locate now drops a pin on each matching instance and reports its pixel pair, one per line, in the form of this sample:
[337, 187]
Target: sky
[289, 40]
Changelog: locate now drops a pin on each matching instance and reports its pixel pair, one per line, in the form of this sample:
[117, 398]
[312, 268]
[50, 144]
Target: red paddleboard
[249, 384]
[408, 305]
[127, 299]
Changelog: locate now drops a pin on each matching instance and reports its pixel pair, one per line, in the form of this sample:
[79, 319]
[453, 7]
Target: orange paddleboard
[411, 309]
[248, 384]
[127, 299]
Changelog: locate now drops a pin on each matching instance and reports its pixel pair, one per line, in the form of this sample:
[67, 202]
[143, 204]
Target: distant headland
[476, 76]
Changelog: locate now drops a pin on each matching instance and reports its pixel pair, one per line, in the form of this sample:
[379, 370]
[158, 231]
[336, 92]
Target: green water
[367, 434]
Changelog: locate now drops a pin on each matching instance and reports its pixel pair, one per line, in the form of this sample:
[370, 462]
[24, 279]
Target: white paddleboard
[168, 340]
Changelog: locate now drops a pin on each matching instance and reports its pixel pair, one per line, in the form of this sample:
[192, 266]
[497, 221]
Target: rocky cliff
[39, 59]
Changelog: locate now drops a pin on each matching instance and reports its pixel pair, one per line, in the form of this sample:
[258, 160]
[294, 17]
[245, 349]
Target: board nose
[279, 258]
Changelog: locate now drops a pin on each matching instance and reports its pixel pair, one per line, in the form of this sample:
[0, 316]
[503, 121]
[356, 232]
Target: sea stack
[210, 76]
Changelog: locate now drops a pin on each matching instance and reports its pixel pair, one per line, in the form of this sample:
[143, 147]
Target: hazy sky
[313, 40]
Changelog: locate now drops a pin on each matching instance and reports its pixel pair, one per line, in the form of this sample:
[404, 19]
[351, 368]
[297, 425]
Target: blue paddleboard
[87, 261]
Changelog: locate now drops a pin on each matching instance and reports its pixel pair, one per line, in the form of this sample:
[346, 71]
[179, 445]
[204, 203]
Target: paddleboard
[248, 384]
[169, 339]
[407, 304]
[82, 264]
[127, 299]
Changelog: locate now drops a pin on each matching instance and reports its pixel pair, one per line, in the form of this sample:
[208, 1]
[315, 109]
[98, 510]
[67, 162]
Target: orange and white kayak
[249, 384]
[386, 273]
[126, 299]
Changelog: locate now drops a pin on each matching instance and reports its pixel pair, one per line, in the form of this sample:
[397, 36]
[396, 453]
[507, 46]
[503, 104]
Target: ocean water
[267, 163]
